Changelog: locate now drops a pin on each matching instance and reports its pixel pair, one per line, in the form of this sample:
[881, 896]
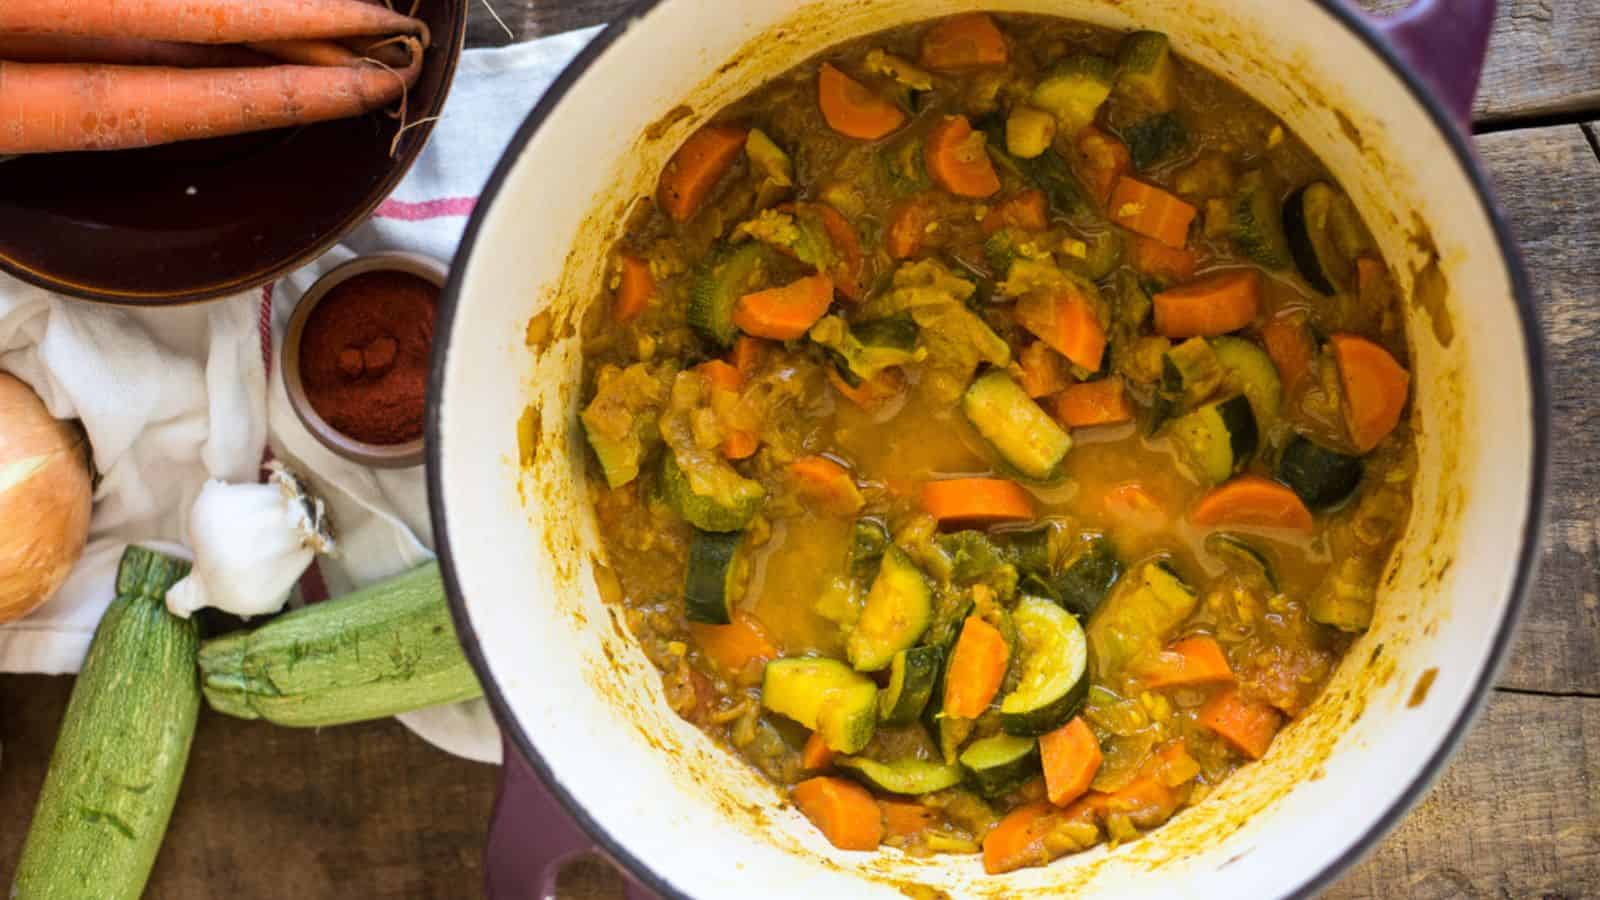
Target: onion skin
[46, 496]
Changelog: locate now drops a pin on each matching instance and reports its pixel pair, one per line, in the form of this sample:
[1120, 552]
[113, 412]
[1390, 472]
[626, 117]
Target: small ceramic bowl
[377, 456]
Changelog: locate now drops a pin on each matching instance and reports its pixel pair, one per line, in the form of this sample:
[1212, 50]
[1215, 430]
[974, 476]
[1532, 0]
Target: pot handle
[531, 837]
[1445, 42]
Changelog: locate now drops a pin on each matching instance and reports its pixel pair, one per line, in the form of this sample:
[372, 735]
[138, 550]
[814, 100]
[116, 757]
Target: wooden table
[369, 811]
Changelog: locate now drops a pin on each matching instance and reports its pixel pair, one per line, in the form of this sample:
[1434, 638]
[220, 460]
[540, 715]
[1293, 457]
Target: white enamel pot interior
[580, 702]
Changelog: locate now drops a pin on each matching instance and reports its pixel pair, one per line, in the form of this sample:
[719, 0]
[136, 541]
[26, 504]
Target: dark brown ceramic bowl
[205, 219]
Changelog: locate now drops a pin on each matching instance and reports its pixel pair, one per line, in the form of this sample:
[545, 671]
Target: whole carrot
[47, 108]
[308, 52]
[206, 21]
[123, 51]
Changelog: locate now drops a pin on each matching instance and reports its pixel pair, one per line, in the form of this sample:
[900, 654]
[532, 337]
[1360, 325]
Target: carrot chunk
[1289, 346]
[969, 41]
[1171, 264]
[909, 227]
[976, 501]
[734, 646]
[634, 291]
[1375, 389]
[1103, 402]
[824, 482]
[816, 755]
[1068, 323]
[1246, 725]
[848, 270]
[1150, 211]
[873, 393]
[1070, 756]
[787, 312]
[904, 818]
[722, 374]
[1191, 661]
[957, 160]
[1027, 211]
[1102, 159]
[852, 109]
[843, 811]
[1216, 304]
[695, 169]
[1253, 500]
[747, 354]
[1044, 371]
[1018, 840]
[977, 668]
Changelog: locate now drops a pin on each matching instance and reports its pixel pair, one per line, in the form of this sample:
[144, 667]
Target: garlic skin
[252, 542]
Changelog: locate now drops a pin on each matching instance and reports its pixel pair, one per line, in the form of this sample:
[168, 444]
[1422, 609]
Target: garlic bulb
[252, 542]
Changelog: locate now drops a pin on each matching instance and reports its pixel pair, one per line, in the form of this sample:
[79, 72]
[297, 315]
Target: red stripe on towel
[427, 209]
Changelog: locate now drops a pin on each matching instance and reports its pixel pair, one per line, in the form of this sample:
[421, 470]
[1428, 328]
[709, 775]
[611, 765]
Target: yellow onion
[45, 498]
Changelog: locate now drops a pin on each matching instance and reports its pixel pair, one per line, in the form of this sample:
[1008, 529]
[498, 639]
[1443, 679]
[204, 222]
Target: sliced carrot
[734, 646]
[1253, 500]
[958, 161]
[1375, 388]
[871, 394]
[1070, 756]
[976, 501]
[969, 41]
[1372, 281]
[787, 312]
[634, 290]
[816, 755]
[843, 811]
[977, 668]
[1246, 725]
[741, 444]
[847, 271]
[1153, 796]
[852, 109]
[1170, 264]
[1191, 661]
[904, 818]
[1289, 346]
[1044, 371]
[1216, 304]
[1134, 507]
[1028, 211]
[1018, 840]
[1150, 211]
[1103, 402]
[695, 169]
[908, 227]
[722, 375]
[1102, 160]
[827, 484]
[747, 354]
[1068, 323]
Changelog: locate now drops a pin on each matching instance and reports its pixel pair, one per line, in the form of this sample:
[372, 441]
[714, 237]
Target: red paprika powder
[364, 356]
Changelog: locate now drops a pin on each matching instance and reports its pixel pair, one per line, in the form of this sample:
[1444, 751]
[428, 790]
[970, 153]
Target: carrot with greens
[207, 21]
[1216, 304]
[635, 287]
[827, 484]
[1246, 725]
[843, 811]
[976, 501]
[735, 646]
[1289, 346]
[787, 312]
[1066, 321]
[1027, 211]
[1103, 402]
[1187, 663]
[1018, 841]
[1251, 500]
[1044, 371]
[1375, 388]
[816, 755]
[50, 108]
[1070, 756]
[696, 167]
[977, 669]
[1170, 264]
[969, 41]
[1150, 211]
[1102, 159]
[852, 109]
[54, 48]
[958, 161]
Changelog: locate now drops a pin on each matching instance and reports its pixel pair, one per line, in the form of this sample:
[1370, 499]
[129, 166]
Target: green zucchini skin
[1323, 478]
[1055, 669]
[388, 648]
[909, 777]
[912, 676]
[124, 743]
[707, 592]
[1000, 764]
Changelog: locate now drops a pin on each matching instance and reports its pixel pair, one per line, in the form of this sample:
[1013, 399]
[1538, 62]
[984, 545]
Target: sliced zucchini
[1155, 139]
[1054, 660]
[1310, 217]
[1000, 764]
[1218, 439]
[1074, 91]
[709, 586]
[1024, 435]
[1240, 555]
[912, 675]
[863, 351]
[1323, 478]
[973, 555]
[903, 166]
[1085, 581]
[1249, 370]
[1102, 253]
[768, 158]
[1190, 373]
[728, 274]
[951, 732]
[1029, 550]
[733, 503]
[898, 610]
[826, 696]
[1255, 221]
[911, 777]
[1147, 608]
[867, 544]
[619, 459]
[1145, 72]
[1048, 172]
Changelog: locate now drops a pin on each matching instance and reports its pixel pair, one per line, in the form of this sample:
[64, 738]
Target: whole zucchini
[385, 649]
[120, 756]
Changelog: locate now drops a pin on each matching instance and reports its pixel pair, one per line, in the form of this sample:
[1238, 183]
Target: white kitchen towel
[178, 397]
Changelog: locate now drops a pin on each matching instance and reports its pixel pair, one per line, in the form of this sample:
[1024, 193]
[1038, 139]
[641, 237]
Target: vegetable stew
[999, 432]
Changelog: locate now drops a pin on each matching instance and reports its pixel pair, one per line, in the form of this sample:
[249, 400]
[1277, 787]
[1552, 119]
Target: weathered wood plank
[1547, 180]
[1516, 815]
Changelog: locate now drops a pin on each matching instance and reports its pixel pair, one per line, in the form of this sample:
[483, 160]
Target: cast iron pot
[588, 733]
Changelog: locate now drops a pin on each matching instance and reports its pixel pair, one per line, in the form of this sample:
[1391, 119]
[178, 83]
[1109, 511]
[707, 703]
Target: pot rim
[1455, 135]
